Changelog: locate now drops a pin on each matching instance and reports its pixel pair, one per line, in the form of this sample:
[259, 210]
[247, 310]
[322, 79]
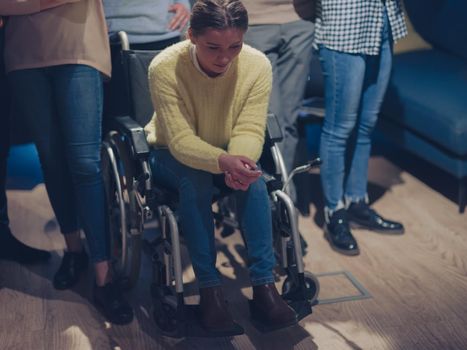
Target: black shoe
[337, 232]
[14, 250]
[73, 264]
[360, 215]
[109, 299]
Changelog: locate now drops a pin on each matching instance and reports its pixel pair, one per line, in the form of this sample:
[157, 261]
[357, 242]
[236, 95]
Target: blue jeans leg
[377, 74]
[195, 189]
[354, 88]
[61, 107]
[79, 92]
[256, 223]
[34, 103]
[343, 80]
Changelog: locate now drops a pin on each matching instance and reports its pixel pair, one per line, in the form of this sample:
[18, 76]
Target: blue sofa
[425, 109]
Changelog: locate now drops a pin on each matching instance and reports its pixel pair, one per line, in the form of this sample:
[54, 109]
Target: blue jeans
[61, 108]
[196, 189]
[354, 85]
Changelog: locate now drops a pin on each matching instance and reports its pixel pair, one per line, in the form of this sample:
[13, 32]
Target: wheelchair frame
[133, 200]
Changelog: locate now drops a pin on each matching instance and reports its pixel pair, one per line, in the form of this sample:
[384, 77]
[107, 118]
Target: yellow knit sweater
[199, 118]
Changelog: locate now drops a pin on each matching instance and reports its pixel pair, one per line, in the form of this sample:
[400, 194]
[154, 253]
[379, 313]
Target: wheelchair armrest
[135, 134]
[273, 129]
[120, 39]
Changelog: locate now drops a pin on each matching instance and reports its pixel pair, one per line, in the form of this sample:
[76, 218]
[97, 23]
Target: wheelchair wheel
[125, 232]
[311, 283]
[165, 315]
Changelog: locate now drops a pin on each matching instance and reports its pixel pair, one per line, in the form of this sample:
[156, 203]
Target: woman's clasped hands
[239, 171]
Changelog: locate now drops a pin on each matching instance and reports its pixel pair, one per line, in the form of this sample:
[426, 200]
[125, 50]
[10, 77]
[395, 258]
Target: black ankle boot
[14, 250]
[360, 215]
[337, 232]
[69, 272]
[110, 301]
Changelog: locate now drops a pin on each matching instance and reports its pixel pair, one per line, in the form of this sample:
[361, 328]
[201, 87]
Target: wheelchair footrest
[301, 307]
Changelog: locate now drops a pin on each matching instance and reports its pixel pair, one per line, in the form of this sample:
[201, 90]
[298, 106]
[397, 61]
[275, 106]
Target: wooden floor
[418, 284]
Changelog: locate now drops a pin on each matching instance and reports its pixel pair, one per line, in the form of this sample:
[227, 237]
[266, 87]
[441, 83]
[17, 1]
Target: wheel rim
[116, 206]
[134, 218]
[312, 285]
[165, 316]
[122, 208]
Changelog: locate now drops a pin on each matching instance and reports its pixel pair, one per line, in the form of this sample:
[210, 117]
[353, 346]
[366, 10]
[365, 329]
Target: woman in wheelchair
[210, 94]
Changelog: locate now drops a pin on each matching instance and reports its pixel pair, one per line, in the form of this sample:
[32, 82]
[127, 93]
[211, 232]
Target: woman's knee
[339, 131]
[368, 122]
[258, 189]
[85, 168]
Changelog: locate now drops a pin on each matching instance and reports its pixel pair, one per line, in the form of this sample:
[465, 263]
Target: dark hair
[218, 14]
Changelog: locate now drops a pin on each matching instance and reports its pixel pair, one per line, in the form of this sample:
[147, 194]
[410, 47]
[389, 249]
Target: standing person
[10, 247]
[355, 40]
[277, 31]
[210, 95]
[150, 25]
[56, 52]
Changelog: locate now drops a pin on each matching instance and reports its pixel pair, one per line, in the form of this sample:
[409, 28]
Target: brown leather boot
[215, 315]
[269, 309]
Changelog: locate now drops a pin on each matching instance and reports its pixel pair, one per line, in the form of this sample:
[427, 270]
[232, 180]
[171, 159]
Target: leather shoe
[215, 315]
[337, 232]
[109, 299]
[360, 215]
[14, 250]
[269, 309]
[73, 264]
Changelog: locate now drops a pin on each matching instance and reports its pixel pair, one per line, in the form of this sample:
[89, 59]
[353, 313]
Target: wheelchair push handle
[314, 163]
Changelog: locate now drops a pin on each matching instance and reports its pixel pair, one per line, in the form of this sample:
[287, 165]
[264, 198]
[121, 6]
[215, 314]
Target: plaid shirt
[355, 26]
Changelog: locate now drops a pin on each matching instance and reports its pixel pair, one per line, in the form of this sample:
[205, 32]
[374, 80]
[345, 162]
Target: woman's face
[215, 49]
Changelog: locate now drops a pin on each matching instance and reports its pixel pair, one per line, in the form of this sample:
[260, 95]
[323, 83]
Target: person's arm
[178, 126]
[248, 133]
[28, 7]
[181, 11]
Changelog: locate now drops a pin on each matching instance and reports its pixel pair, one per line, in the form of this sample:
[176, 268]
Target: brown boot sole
[263, 326]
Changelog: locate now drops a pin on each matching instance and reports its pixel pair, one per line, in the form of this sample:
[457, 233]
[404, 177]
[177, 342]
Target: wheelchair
[133, 200]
